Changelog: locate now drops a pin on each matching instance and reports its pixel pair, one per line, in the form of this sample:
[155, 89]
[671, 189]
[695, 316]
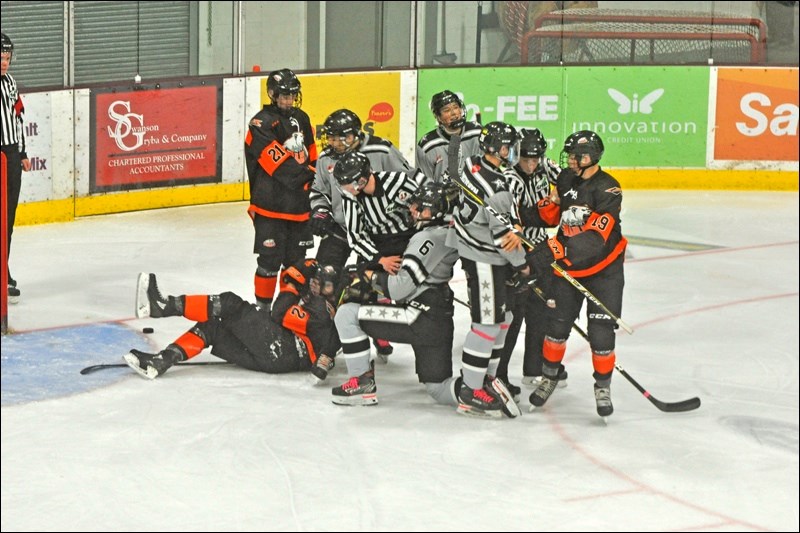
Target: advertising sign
[530, 97]
[38, 183]
[647, 117]
[756, 115]
[156, 137]
[374, 97]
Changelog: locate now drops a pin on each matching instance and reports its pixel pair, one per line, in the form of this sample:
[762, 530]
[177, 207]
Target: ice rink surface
[711, 291]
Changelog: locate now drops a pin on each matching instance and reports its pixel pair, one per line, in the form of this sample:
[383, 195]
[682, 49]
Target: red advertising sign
[156, 137]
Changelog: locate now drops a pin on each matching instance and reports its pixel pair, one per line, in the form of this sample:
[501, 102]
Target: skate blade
[142, 301]
[467, 410]
[363, 400]
[133, 362]
[509, 407]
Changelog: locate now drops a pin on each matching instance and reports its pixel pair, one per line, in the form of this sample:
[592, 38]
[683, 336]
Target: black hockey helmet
[283, 81]
[341, 123]
[580, 143]
[328, 278]
[531, 143]
[7, 45]
[497, 134]
[439, 100]
[352, 166]
[433, 196]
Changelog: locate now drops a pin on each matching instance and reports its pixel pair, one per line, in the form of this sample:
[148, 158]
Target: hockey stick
[668, 407]
[95, 368]
[572, 281]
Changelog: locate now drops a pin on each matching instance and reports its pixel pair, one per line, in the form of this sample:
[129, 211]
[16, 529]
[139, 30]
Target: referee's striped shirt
[382, 213]
[12, 111]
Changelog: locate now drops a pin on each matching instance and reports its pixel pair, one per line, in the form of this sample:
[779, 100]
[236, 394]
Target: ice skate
[151, 365]
[602, 396]
[149, 302]
[497, 388]
[359, 390]
[478, 403]
[383, 350]
[321, 368]
[543, 392]
[533, 382]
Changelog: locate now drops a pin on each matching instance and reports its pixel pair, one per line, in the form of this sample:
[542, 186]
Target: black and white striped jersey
[12, 114]
[528, 190]
[382, 155]
[381, 213]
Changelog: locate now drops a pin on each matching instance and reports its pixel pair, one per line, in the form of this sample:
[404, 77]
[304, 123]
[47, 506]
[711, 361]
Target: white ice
[225, 449]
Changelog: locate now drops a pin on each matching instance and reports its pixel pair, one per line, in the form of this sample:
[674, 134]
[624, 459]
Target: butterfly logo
[635, 105]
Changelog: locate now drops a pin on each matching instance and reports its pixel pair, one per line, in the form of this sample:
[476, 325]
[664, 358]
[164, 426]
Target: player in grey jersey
[487, 263]
[421, 313]
[453, 140]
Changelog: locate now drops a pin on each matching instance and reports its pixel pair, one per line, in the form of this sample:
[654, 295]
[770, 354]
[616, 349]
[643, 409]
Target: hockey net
[643, 37]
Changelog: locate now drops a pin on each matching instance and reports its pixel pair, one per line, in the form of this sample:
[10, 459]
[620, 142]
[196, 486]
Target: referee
[13, 146]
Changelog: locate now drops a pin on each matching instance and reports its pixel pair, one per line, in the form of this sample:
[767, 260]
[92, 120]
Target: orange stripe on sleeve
[601, 223]
[548, 211]
[296, 319]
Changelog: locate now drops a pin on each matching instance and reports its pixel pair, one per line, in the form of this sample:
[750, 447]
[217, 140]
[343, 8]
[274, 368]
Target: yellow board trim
[704, 179]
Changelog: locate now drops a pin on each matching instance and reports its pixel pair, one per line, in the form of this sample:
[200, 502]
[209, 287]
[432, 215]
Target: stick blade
[677, 407]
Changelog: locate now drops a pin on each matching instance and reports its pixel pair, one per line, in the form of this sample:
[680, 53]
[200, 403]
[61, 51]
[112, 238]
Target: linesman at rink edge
[279, 152]
[589, 245]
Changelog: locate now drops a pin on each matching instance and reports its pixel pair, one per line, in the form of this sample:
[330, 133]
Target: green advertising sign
[646, 116]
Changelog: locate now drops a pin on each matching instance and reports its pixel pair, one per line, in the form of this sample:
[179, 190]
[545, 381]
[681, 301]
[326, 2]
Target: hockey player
[296, 334]
[374, 206]
[342, 133]
[529, 181]
[488, 265]
[421, 312]
[590, 246]
[445, 147]
[280, 153]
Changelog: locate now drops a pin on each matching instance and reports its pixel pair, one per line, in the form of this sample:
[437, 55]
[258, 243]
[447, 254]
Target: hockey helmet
[432, 196]
[340, 124]
[351, 167]
[531, 143]
[284, 82]
[497, 134]
[580, 143]
[7, 45]
[439, 100]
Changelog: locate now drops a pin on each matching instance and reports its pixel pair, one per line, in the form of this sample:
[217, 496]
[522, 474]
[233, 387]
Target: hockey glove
[321, 221]
[358, 289]
[539, 260]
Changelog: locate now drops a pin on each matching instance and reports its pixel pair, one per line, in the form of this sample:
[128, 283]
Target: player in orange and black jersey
[292, 336]
[590, 246]
[280, 154]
